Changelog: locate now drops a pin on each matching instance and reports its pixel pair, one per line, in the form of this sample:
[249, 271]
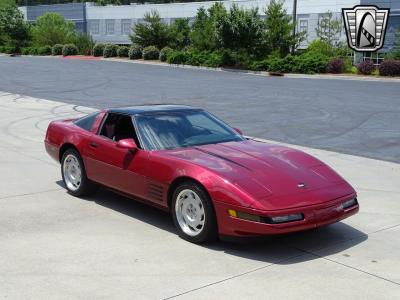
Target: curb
[259, 73]
[221, 69]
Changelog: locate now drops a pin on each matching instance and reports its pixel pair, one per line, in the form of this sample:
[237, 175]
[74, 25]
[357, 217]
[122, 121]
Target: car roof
[152, 108]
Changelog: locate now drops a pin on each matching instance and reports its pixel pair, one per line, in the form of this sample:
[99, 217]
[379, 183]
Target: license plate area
[328, 212]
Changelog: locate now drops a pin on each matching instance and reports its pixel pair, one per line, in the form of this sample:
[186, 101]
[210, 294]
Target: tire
[193, 213]
[74, 174]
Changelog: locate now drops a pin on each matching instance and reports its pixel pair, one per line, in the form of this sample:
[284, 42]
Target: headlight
[287, 218]
[268, 220]
[349, 203]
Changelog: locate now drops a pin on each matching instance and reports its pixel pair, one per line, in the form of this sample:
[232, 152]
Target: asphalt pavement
[347, 116]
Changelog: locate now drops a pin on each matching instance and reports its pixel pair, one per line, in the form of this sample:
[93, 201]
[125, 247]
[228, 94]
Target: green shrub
[214, 59]
[259, 65]
[307, 63]
[177, 57]
[164, 53]
[366, 67]
[237, 58]
[57, 49]
[195, 57]
[25, 50]
[321, 48]
[9, 49]
[274, 64]
[311, 63]
[291, 64]
[33, 51]
[69, 49]
[375, 72]
[123, 51]
[110, 50]
[135, 52]
[151, 53]
[84, 42]
[1, 49]
[348, 65]
[45, 50]
[98, 49]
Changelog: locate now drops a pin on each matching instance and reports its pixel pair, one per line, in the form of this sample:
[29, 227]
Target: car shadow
[282, 249]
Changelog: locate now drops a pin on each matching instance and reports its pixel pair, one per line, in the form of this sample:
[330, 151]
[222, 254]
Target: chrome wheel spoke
[72, 172]
[190, 213]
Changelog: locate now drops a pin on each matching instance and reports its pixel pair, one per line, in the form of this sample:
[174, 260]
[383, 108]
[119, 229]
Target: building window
[303, 26]
[110, 27]
[126, 26]
[375, 57]
[94, 27]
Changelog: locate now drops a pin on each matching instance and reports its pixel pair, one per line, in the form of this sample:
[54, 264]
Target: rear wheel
[74, 174]
[193, 213]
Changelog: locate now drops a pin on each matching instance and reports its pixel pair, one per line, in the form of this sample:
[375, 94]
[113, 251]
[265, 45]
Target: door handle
[93, 145]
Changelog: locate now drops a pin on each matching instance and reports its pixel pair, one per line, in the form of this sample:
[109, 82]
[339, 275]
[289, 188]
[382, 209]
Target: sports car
[213, 180]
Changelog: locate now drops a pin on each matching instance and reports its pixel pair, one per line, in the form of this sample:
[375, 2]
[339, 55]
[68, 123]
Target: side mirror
[128, 144]
[238, 130]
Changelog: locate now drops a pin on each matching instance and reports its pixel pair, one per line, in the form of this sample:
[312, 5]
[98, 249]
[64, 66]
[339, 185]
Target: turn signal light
[232, 213]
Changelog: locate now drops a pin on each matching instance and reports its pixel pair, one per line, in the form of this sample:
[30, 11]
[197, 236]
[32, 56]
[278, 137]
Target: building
[113, 24]
[75, 12]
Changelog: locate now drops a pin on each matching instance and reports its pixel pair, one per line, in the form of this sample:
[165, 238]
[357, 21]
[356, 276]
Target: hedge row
[133, 52]
[68, 49]
[308, 62]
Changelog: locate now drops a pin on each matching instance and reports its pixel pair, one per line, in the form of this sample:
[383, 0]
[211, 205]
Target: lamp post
[294, 22]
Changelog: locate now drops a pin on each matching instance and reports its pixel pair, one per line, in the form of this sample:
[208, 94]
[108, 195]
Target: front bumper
[314, 216]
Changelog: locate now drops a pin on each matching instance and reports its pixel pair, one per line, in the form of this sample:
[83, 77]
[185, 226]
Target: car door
[114, 167]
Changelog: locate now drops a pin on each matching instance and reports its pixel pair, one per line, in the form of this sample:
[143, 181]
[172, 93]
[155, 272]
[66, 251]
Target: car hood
[263, 170]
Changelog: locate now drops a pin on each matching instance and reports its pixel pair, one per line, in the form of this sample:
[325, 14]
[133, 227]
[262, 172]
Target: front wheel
[193, 213]
[74, 175]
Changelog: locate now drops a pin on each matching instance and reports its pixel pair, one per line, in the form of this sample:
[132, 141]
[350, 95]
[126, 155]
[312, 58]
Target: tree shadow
[281, 249]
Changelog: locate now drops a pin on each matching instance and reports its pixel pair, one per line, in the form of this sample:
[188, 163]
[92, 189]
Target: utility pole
[294, 22]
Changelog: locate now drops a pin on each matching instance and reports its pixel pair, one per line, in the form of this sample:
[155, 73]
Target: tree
[84, 42]
[180, 33]
[151, 33]
[240, 29]
[279, 29]
[4, 3]
[14, 31]
[203, 35]
[329, 29]
[51, 29]
[395, 51]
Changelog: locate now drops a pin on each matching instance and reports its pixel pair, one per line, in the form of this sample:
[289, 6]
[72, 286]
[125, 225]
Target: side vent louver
[155, 192]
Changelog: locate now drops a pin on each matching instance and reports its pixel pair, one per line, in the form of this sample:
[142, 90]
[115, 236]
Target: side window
[118, 127]
[87, 121]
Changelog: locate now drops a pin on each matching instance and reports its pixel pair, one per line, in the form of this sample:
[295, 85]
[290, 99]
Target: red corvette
[213, 180]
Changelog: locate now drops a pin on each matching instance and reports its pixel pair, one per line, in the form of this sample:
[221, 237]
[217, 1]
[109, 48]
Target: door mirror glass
[128, 144]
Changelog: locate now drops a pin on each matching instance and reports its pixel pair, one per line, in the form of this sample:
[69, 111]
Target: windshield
[183, 129]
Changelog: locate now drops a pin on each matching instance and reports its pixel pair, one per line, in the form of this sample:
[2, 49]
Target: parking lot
[358, 117]
[55, 246]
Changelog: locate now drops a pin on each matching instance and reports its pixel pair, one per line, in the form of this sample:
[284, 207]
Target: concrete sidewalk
[55, 246]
